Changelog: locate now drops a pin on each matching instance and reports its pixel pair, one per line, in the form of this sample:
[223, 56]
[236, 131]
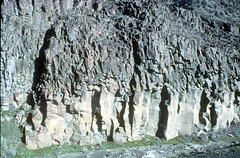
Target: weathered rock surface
[225, 143]
[210, 150]
[94, 71]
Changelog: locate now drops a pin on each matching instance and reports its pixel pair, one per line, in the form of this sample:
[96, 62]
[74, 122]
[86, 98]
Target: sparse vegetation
[183, 153]
[12, 145]
[10, 135]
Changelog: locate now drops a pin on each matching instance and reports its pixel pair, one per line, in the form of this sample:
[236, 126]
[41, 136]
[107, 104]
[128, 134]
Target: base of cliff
[221, 143]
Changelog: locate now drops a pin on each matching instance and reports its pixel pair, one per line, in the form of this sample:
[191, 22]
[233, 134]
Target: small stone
[204, 137]
[230, 135]
[31, 142]
[44, 139]
[20, 97]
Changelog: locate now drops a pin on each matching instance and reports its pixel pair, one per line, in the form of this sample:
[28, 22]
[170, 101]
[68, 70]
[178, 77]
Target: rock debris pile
[94, 71]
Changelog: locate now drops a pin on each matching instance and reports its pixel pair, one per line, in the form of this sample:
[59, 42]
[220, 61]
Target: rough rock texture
[92, 71]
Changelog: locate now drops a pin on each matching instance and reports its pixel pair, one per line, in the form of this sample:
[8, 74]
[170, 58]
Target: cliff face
[92, 71]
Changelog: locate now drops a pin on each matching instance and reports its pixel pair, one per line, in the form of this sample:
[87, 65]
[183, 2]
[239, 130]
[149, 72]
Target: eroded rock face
[92, 71]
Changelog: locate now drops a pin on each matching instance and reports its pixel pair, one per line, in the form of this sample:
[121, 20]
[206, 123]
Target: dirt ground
[221, 144]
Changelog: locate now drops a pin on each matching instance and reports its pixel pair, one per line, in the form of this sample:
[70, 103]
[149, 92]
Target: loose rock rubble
[94, 71]
[215, 147]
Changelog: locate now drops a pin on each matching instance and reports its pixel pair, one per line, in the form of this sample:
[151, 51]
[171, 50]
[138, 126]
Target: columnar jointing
[94, 71]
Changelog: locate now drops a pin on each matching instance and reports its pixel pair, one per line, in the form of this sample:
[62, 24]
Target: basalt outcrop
[94, 71]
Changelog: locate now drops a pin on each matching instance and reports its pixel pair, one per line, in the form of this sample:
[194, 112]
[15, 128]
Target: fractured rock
[116, 70]
[44, 139]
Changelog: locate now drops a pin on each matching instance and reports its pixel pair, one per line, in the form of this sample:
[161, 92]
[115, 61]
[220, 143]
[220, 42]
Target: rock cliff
[94, 71]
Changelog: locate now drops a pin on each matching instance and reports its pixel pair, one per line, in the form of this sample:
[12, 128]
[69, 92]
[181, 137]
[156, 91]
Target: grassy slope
[12, 146]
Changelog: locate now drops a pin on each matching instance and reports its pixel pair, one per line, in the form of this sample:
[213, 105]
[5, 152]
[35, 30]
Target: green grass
[183, 153]
[10, 138]
[12, 145]
[49, 151]
[229, 139]
[146, 141]
[235, 149]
